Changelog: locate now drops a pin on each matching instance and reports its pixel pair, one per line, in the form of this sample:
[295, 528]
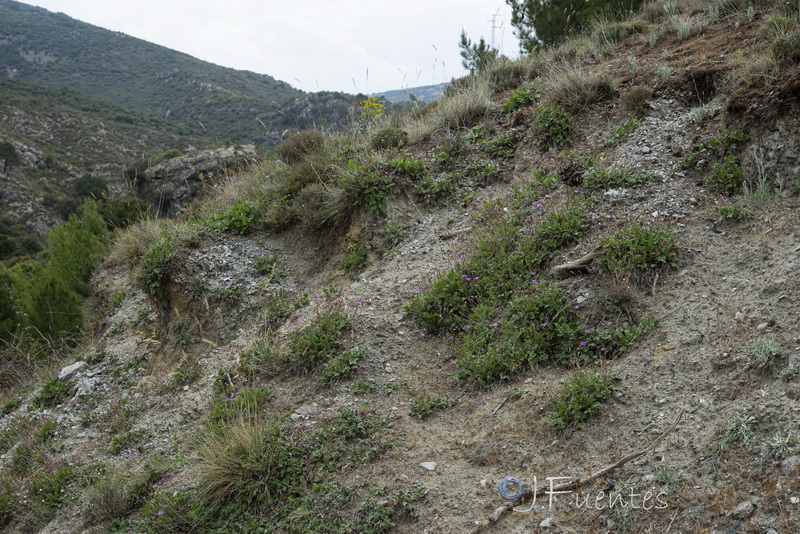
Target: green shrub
[583, 393]
[90, 186]
[53, 392]
[319, 341]
[529, 93]
[636, 248]
[364, 187]
[736, 212]
[786, 49]
[422, 407]
[174, 513]
[154, 266]
[342, 365]
[241, 218]
[389, 138]
[554, 126]
[300, 145]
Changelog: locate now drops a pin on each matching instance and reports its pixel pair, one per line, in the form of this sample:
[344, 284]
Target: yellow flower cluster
[371, 110]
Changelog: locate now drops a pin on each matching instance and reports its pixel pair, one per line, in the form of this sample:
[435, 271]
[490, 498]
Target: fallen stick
[454, 233]
[569, 486]
[581, 264]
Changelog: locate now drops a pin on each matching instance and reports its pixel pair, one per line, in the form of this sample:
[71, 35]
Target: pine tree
[476, 56]
[9, 155]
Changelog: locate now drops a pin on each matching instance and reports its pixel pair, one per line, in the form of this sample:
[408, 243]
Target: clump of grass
[669, 479]
[424, 406]
[574, 88]
[636, 248]
[635, 100]
[154, 266]
[364, 187]
[554, 126]
[300, 145]
[389, 137]
[460, 107]
[583, 393]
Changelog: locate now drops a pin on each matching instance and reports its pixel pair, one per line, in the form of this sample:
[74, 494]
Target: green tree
[546, 22]
[78, 246]
[54, 307]
[90, 186]
[9, 311]
[9, 155]
[476, 57]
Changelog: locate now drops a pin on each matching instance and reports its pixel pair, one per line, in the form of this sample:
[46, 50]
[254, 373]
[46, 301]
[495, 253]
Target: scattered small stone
[547, 522]
[430, 466]
[744, 510]
[762, 326]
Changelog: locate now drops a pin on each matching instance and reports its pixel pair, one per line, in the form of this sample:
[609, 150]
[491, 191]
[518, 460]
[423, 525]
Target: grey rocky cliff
[168, 185]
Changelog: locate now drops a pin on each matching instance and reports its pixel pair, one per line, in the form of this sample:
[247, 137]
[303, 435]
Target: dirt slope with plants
[536, 277]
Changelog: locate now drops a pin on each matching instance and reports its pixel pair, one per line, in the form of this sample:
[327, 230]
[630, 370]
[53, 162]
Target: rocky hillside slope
[578, 256]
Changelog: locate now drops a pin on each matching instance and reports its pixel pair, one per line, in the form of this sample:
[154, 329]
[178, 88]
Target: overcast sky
[352, 46]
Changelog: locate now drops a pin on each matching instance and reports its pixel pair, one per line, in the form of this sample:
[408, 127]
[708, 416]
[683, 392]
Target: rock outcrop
[168, 185]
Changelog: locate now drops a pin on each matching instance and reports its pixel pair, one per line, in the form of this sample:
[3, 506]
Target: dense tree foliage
[9, 155]
[546, 22]
[476, 56]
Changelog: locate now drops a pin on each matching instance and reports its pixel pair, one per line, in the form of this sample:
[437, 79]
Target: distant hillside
[62, 135]
[426, 93]
[45, 48]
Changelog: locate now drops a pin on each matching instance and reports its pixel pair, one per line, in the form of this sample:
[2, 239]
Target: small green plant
[186, 373]
[611, 178]
[733, 211]
[127, 440]
[530, 92]
[342, 365]
[779, 445]
[300, 145]
[703, 114]
[356, 259]
[635, 248]
[737, 431]
[154, 266]
[554, 126]
[266, 264]
[763, 352]
[792, 368]
[364, 387]
[392, 233]
[583, 393]
[319, 341]
[476, 135]
[53, 392]
[634, 66]
[407, 167]
[625, 129]
[364, 187]
[723, 149]
[241, 218]
[669, 479]
[422, 407]
[727, 174]
[664, 72]
[502, 146]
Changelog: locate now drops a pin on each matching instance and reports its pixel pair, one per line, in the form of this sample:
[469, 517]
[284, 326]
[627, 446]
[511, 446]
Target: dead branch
[454, 233]
[570, 486]
[581, 264]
